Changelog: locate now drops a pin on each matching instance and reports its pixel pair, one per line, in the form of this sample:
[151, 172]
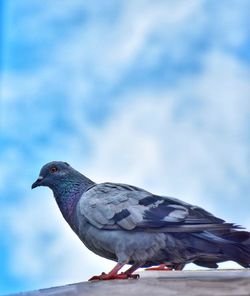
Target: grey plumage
[130, 225]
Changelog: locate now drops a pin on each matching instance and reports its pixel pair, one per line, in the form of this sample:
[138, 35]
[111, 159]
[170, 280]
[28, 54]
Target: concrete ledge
[169, 283]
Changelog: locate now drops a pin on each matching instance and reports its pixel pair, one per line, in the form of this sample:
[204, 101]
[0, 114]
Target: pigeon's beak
[37, 183]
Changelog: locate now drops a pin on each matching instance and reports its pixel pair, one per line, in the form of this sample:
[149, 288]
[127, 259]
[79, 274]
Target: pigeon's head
[52, 174]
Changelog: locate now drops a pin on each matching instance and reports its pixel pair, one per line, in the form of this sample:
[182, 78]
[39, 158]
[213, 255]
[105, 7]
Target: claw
[114, 275]
[120, 276]
[134, 276]
[97, 277]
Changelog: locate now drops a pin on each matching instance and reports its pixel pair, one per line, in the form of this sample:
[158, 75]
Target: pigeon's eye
[53, 169]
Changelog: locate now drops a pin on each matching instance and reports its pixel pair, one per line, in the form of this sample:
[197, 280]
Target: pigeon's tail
[232, 245]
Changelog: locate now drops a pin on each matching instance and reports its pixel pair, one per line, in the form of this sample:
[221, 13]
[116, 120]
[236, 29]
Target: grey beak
[37, 182]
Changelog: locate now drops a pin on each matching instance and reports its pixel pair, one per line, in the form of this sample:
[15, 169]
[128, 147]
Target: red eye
[53, 169]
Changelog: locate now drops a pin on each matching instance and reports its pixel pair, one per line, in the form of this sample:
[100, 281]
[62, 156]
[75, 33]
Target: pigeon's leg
[113, 274]
[132, 269]
[162, 267]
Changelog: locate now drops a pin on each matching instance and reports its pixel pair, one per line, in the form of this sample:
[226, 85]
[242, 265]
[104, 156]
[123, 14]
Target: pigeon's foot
[114, 275]
[162, 267]
[119, 276]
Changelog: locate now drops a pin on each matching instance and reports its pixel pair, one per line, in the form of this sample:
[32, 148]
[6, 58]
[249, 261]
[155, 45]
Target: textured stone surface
[210, 283]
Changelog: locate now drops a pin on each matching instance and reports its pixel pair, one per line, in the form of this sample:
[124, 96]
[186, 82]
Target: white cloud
[102, 50]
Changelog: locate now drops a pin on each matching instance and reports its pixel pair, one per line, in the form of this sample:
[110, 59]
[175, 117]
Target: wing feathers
[121, 206]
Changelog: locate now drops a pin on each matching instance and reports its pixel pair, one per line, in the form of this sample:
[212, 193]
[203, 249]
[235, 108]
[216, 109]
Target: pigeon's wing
[120, 206]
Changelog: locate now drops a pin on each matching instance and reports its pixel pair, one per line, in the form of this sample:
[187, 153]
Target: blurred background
[151, 93]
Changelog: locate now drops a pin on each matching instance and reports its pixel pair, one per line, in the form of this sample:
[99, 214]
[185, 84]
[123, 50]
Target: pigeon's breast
[94, 239]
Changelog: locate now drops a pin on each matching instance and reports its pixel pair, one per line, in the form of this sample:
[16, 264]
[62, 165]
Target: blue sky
[155, 94]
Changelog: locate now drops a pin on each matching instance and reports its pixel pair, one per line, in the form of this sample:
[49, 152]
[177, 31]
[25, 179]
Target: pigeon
[130, 225]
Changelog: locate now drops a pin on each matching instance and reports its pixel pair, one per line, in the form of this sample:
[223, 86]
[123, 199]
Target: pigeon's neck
[68, 194]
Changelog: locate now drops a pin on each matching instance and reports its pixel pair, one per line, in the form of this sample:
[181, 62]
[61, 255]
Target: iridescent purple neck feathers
[67, 194]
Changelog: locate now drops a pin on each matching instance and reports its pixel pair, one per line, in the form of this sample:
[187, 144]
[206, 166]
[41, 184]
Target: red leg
[132, 269]
[114, 275]
[111, 275]
[162, 267]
